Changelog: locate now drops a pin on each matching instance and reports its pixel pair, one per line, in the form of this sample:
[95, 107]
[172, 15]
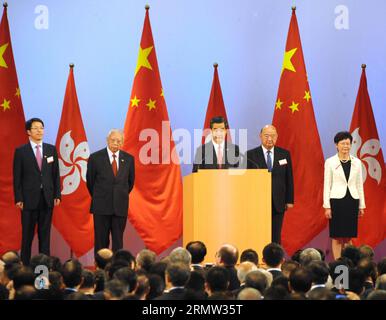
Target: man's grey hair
[380, 284]
[268, 275]
[308, 255]
[243, 269]
[115, 130]
[180, 254]
[145, 258]
[249, 294]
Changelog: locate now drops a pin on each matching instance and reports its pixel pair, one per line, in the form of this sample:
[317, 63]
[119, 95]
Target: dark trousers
[41, 216]
[277, 223]
[103, 226]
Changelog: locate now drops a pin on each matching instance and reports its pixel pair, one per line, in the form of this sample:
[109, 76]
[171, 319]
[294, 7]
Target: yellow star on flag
[307, 96]
[143, 60]
[287, 63]
[135, 101]
[278, 104]
[2, 50]
[294, 107]
[5, 104]
[162, 92]
[151, 104]
[17, 94]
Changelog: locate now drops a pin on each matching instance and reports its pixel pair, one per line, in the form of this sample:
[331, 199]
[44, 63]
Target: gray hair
[145, 258]
[380, 284]
[308, 255]
[180, 254]
[115, 130]
[249, 294]
[243, 269]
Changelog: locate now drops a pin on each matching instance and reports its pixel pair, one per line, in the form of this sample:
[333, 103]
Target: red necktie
[39, 157]
[219, 157]
[114, 165]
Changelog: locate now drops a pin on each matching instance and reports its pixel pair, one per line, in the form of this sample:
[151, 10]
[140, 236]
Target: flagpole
[71, 252]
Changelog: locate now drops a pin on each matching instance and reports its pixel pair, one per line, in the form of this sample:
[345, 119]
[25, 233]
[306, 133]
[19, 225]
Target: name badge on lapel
[282, 162]
[50, 159]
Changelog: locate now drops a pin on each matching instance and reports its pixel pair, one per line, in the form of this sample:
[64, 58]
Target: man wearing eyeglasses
[36, 183]
[218, 153]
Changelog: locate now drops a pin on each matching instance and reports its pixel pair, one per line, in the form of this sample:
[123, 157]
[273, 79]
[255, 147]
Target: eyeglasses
[37, 128]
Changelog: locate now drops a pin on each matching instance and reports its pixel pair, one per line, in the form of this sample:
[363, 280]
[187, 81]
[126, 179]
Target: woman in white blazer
[343, 196]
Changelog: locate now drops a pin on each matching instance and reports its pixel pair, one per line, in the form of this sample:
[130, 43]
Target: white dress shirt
[216, 146]
[111, 157]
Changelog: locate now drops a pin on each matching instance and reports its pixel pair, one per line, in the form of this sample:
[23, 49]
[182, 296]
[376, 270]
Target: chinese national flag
[12, 134]
[295, 122]
[366, 146]
[156, 200]
[72, 218]
[216, 107]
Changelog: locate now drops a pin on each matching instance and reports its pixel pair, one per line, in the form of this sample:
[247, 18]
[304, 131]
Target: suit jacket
[335, 183]
[174, 294]
[110, 194]
[282, 177]
[28, 179]
[206, 157]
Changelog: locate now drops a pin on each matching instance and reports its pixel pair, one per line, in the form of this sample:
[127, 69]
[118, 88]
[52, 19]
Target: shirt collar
[111, 153]
[33, 144]
[222, 144]
[265, 150]
[317, 286]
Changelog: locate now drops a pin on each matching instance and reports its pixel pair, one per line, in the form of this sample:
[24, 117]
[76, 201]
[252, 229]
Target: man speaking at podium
[278, 162]
[218, 153]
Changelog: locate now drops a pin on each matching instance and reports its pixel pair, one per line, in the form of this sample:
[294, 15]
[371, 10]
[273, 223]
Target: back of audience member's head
[23, 277]
[197, 250]
[256, 279]
[125, 255]
[88, 279]
[381, 266]
[249, 255]
[281, 281]
[319, 271]
[4, 292]
[377, 295]
[297, 296]
[221, 295]
[77, 296]
[365, 251]
[217, 279]
[336, 267]
[115, 290]
[356, 281]
[180, 255]
[380, 284]
[157, 286]
[100, 278]
[249, 294]
[54, 264]
[40, 259]
[296, 255]
[159, 268]
[228, 255]
[145, 259]
[9, 272]
[275, 293]
[369, 268]
[114, 266]
[244, 268]
[11, 257]
[321, 294]
[268, 276]
[322, 254]
[72, 273]
[351, 252]
[300, 280]
[128, 277]
[56, 281]
[177, 274]
[25, 292]
[308, 255]
[102, 258]
[143, 287]
[273, 255]
[196, 281]
[288, 266]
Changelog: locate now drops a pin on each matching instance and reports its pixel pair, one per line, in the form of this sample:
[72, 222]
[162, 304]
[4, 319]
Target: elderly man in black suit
[110, 179]
[278, 162]
[36, 184]
[217, 153]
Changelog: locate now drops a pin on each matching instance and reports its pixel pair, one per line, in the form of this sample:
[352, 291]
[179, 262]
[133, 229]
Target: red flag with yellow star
[156, 200]
[12, 134]
[216, 107]
[295, 122]
[367, 147]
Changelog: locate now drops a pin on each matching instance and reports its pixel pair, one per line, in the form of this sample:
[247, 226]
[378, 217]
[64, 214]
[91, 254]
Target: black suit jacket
[282, 177]
[206, 157]
[175, 294]
[110, 194]
[28, 179]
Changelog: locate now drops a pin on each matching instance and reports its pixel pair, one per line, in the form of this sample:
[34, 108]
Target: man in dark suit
[217, 153]
[36, 184]
[176, 277]
[278, 162]
[110, 179]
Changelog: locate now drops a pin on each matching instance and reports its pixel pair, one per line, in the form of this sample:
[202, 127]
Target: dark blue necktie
[269, 161]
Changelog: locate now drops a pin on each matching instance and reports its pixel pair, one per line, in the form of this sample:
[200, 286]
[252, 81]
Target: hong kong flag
[366, 146]
[72, 218]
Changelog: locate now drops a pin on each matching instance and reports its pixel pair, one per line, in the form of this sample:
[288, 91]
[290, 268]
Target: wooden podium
[228, 206]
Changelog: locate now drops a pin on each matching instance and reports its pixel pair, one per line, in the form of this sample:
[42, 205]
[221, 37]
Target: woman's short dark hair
[342, 135]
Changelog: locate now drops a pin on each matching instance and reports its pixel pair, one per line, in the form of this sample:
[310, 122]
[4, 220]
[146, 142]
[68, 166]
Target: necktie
[39, 157]
[219, 157]
[269, 161]
[114, 165]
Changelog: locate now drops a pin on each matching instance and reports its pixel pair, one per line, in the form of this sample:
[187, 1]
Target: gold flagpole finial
[215, 64]
[363, 66]
[147, 7]
[5, 4]
[72, 65]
